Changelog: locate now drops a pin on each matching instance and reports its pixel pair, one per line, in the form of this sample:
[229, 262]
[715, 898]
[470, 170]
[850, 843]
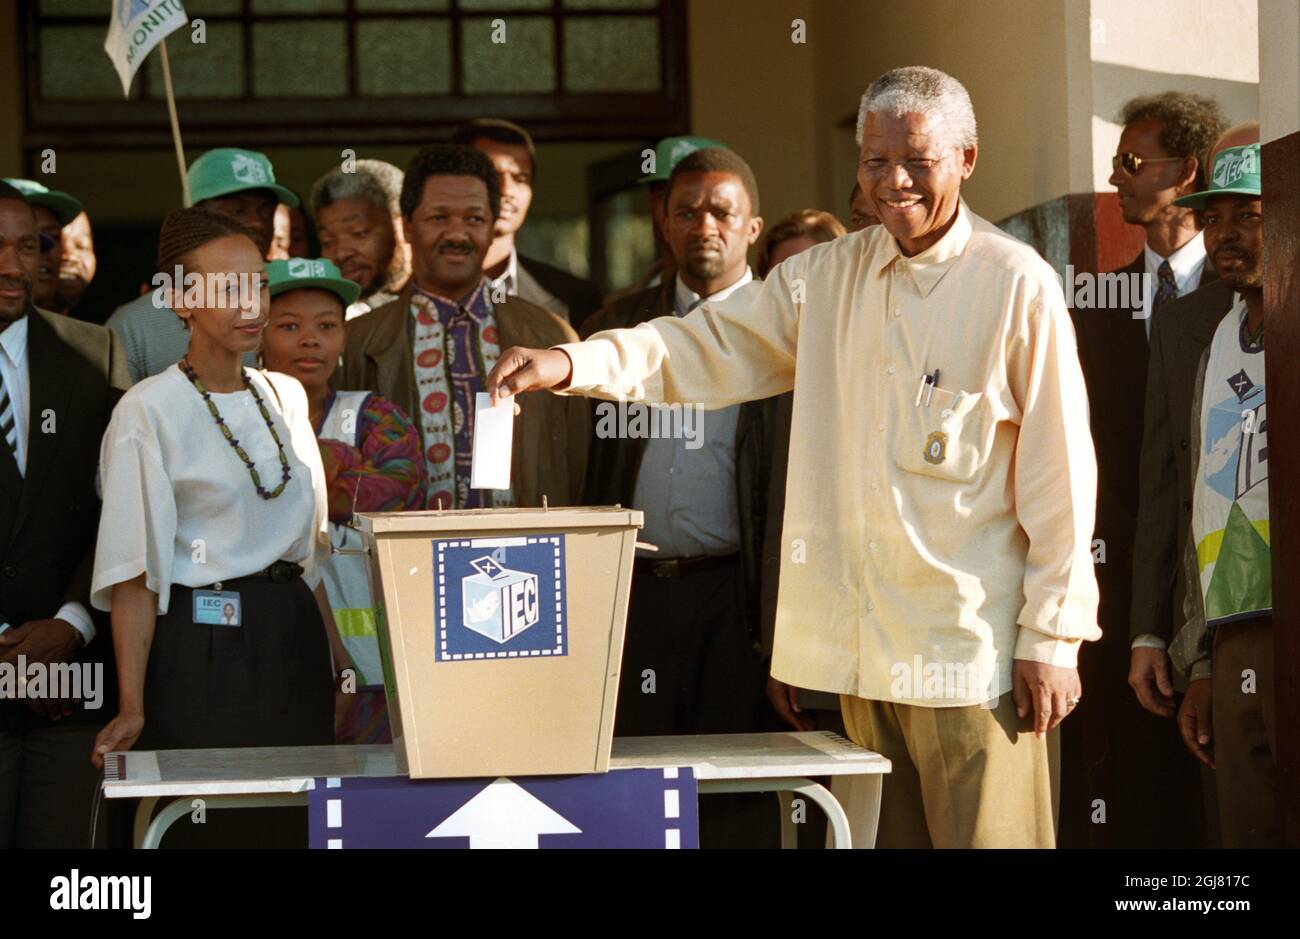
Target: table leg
[789, 832]
[173, 811]
[143, 815]
[839, 822]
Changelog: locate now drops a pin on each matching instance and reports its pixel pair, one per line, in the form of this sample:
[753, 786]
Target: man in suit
[1179, 337]
[59, 381]
[1130, 759]
[690, 659]
[431, 349]
[511, 150]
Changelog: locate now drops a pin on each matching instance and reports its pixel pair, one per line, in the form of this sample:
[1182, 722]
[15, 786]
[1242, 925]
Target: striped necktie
[8, 421]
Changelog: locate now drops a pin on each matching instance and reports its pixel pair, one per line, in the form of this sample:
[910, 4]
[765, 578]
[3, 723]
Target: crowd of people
[895, 469]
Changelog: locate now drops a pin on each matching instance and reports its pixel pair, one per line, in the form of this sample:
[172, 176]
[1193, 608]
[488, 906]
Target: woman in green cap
[371, 453]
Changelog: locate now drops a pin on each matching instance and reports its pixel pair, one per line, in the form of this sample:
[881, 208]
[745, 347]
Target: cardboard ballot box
[501, 635]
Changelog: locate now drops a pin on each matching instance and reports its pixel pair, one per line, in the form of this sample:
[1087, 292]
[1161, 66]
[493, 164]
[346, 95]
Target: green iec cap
[295, 273]
[225, 170]
[64, 206]
[1236, 173]
[671, 150]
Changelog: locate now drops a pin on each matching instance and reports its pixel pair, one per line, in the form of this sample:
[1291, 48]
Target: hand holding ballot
[519, 370]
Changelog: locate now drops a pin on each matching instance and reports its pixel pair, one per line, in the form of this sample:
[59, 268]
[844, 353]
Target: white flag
[137, 26]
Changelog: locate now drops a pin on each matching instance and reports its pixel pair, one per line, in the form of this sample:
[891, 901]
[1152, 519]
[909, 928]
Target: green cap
[295, 273]
[64, 206]
[1236, 173]
[225, 170]
[670, 151]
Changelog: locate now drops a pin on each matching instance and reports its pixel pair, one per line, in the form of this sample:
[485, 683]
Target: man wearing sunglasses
[1134, 757]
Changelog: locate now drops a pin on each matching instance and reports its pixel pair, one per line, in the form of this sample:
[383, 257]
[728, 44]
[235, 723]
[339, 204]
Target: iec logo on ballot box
[499, 597]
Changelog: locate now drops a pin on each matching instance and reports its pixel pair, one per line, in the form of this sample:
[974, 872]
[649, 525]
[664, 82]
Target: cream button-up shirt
[926, 545]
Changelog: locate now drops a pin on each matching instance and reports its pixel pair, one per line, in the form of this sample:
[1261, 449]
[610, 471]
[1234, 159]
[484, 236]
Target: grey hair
[922, 90]
[373, 180]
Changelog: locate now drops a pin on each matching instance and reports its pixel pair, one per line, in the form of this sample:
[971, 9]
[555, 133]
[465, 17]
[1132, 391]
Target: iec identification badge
[936, 447]
[499, 597]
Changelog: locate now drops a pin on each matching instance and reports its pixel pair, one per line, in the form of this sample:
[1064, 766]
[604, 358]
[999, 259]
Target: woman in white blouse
[214, 526]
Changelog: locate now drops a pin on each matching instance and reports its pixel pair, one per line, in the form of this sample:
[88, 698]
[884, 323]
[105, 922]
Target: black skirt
[265, 683]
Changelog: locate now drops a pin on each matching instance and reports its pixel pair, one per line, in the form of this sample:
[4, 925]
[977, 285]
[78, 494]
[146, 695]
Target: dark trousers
[690, 667]
[47, 783]
[1245, 733]
[1127, 781]
[689, 664]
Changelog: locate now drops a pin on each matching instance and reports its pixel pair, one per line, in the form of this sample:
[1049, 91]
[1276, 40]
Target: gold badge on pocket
[936, 447]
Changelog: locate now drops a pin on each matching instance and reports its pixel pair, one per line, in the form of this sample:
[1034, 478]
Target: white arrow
[504, 815]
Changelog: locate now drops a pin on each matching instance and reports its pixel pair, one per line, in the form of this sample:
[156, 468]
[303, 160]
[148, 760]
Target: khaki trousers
[963, 777]
[1245, 734]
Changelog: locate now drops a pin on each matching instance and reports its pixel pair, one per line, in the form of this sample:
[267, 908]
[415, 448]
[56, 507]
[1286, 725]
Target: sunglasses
[1130, 162]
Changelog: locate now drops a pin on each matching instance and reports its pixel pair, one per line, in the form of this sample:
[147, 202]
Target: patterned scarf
[455, 346]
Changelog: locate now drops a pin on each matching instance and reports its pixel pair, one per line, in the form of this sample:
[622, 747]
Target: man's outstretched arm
[738, 350]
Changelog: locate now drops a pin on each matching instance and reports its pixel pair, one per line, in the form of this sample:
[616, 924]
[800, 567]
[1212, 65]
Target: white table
[273, 776]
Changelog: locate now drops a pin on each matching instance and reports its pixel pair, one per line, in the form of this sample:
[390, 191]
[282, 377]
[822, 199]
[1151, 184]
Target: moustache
[456, 246]
[10, 282]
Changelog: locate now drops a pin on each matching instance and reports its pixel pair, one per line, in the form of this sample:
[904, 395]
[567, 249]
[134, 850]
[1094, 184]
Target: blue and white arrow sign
[634, 808]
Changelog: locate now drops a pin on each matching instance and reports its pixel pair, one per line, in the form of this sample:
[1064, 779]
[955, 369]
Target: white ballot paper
[493, 434]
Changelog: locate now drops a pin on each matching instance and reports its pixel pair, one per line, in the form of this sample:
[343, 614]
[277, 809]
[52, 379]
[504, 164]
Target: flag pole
[176, 124]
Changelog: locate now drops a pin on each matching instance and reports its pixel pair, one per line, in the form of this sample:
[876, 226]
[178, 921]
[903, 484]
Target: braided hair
[186, 230]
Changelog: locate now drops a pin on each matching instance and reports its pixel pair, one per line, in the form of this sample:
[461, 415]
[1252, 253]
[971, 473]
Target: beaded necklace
[230, 438]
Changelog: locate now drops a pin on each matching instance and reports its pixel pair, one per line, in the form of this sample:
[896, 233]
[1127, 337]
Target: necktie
[8, 422]
[1166, 287]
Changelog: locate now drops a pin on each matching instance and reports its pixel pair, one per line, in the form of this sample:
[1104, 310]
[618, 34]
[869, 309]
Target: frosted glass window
[413, 5]
[214, 69]
[404, 57]
[611, 53]
[505, 4]
[74, 65]
[299, 6]
[300, 60]
[610, 4]
[525, 62]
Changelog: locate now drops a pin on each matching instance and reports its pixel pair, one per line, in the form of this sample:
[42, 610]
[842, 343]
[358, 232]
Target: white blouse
[180, 505]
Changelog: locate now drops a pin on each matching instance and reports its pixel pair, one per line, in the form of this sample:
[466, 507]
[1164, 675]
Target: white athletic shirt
[180, 505]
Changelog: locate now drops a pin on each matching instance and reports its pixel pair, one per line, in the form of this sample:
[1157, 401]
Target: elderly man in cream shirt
[936, 570]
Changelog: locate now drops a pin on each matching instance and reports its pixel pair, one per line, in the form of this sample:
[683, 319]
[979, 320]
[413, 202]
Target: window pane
[611, 4]
[505, 4]
[524, 62]
[300, 60]
[207, 7]
[299, 6]
[76, 8]
[74, 65]
[611, 53]
[430, 5]
[404, 57]
[214, 69]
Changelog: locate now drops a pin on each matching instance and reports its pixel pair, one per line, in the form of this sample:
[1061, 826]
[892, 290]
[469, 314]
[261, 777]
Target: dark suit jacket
[616, 462]
[49, 516]
[1180, 334]
[1114, 352]
[551, 435]
[550, 288]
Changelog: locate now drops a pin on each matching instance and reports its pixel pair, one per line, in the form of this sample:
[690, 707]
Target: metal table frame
[782, 763]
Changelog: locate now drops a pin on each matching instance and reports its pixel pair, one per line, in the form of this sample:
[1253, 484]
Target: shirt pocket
[950, 439]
